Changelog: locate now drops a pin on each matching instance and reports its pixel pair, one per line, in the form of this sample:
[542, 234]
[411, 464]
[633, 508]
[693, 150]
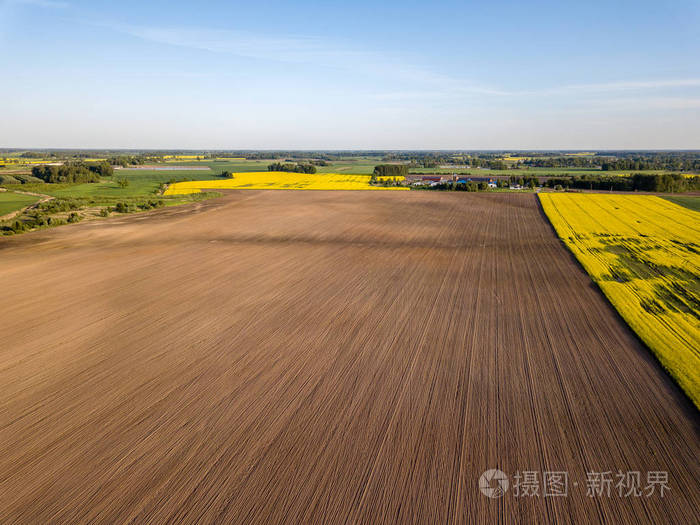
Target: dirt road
[340, 357]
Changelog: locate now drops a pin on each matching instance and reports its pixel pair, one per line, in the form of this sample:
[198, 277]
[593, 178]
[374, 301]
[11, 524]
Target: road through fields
[340, 357]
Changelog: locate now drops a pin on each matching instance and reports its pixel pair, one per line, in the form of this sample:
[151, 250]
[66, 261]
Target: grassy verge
[10, 201]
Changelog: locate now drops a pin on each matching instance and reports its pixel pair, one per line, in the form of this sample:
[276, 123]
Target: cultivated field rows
[302, 357]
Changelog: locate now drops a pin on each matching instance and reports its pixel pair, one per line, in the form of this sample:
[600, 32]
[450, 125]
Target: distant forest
[631, 161]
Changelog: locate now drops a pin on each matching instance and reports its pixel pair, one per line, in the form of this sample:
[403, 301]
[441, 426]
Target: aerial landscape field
[402, 263]
[265, 355]
[200, 341]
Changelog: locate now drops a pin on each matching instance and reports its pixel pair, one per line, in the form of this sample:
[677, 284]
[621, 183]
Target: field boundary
[601, 291]
[597, 287]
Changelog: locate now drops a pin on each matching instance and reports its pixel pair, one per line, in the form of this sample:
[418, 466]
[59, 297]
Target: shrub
[27, 179]
[38, 221]
[8, 179]
[150, 204]
[59, 205]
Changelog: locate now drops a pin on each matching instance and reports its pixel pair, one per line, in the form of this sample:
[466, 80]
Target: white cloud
[303, 49]
[308, 50]
[427, 83]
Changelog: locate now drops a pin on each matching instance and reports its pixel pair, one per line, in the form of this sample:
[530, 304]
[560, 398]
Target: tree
[103, 169]
[77, 172]
[292, 168]
[391, 170]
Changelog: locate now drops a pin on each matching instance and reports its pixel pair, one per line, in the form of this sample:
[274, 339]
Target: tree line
[606, 161]
[457, 186]
[390, 170]
[73, 172]
[524, 181]
[662, 182]
[292, 168]
[625, 162]
[133, 160]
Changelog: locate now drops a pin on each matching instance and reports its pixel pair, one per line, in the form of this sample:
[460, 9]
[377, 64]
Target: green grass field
[365, 166]
[357, 166]
[689, 201]
[537, 172]
[10, 201]
[143, 184]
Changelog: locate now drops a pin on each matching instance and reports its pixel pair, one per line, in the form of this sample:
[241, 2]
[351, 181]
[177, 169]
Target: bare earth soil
[303, 357]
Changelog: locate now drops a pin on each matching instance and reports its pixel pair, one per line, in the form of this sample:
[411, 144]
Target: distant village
[434, 180]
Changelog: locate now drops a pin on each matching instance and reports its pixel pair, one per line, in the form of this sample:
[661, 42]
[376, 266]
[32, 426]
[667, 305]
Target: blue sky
[350, 75]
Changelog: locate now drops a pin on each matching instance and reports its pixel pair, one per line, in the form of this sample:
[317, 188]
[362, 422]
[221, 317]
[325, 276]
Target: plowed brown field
[343, 357]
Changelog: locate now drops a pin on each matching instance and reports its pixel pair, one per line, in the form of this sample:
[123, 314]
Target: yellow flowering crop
[644, 253]
[180, 157]
[278, 180]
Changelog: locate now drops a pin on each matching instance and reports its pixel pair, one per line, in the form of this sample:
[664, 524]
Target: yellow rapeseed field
[21, 161]
[278, 180]
[644, 253]
[176, 158]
